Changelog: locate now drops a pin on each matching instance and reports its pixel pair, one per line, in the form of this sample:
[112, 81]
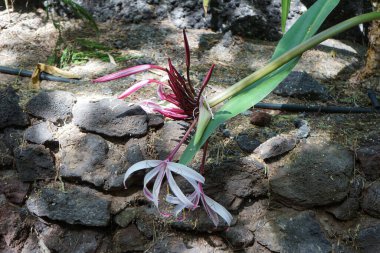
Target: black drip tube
[43, 75]
[314, 108]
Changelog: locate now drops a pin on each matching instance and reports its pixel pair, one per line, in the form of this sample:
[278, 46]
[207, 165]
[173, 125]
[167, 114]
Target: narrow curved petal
[219, 209]
[186, 172]
[157, 186]
[172, 200]
[140, 166]
[127, 72]
[138, 86]
[210, 212]
[176, 190]
[171, 98]
[148, 177]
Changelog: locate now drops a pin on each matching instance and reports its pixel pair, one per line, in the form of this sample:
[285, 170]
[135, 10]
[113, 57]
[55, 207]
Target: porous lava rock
[11, 113]
[54, 106]
[327, 169]
[303, 86]
[40, 133]
[73, 206]
[110, 117]
[293, 232]
[371, 199]
[34, 162]
[369, 159]
[12, 187]
[128, 239]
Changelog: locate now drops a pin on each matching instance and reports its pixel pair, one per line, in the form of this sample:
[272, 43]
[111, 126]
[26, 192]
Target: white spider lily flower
[213, 208]
[160, 170]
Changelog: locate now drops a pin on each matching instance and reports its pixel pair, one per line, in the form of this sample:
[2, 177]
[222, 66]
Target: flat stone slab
[34, 162]
[72, 206]
[313, 174]
[110, 117]
[54, 106]
[11, 113]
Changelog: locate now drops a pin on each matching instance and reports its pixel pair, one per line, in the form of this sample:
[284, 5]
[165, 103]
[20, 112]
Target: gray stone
[59, 239]
[110, 117]
[13, 138]
[125, 217]
[72, 206]
[83, 158]
[55, 106]
[303, 130]
[276, 146]
[155, 120]
[6, 159]
[247, 143]
[293, 232]
[34, 162]
[90, 158]
[128, 239]
[239, 237]
[12, 187]
[347, 210]
[11, 113]
[368, 239]
[369, 159]
[303, 86]
[14, 225]
[313, 174]
[40, 133]
[371, 200]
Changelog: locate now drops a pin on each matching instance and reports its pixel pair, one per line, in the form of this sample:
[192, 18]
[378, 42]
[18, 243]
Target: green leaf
[285, 6]
[305, 27]
[206, 3]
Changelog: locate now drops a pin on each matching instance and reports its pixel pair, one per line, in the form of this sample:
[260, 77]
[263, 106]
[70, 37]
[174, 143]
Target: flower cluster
[184, 103]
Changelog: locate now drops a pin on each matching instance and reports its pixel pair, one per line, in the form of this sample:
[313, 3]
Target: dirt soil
[30, 38]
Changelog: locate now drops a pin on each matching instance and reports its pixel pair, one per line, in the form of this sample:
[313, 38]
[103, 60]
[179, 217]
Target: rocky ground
[294, 182]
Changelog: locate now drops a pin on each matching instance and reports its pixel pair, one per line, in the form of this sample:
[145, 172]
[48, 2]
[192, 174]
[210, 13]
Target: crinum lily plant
[184, 103]
[188, 103]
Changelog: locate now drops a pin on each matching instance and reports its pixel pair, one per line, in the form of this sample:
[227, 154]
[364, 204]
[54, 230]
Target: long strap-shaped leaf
[285, 6]
[305, 27]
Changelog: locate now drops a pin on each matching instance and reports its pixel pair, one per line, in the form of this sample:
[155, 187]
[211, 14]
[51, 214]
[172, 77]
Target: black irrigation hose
[314, 108]
[43, 75]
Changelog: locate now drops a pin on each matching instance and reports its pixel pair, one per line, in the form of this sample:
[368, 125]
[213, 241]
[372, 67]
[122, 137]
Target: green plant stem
[286, 57]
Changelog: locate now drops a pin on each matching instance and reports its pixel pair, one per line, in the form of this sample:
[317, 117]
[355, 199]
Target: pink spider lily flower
[182, 95]
[213, 208]
[162, 169]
